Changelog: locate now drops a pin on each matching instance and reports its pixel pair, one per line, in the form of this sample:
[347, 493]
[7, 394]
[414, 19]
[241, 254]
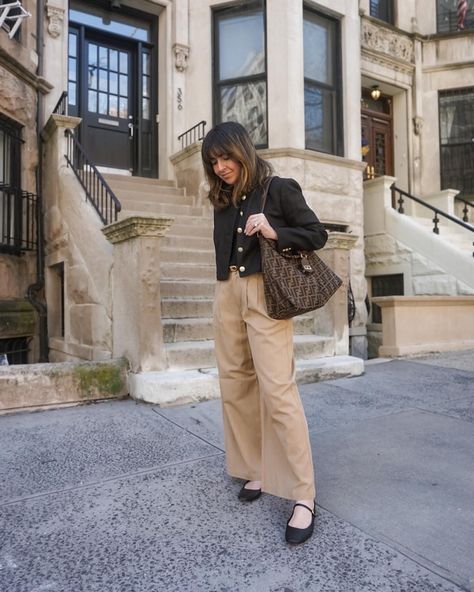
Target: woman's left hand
[259, 223]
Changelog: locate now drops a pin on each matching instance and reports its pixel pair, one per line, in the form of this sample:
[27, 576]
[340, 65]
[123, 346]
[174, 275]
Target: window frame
[12, 130]
[336, 88]
[217, 84]
[444, 184]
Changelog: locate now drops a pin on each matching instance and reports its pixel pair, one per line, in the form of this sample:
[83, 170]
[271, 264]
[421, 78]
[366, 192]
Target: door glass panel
[92, 54]
[113, 83]
[103, 57]
[93, 77]
[146, 109]
[146, 64]
[123, 112]
[92, 101]
[103, 80]
[113, 105]
[123, 62]
[113, 60]
[123, 85]
[103, 103]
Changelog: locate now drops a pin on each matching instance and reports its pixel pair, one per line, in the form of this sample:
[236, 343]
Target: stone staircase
[449, 232]
[187, 289]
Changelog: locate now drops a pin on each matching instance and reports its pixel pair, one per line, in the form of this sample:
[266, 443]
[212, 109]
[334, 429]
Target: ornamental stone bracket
[417, 125]
[181, 54]
[137, 226]
[395, 45]
[55, 17]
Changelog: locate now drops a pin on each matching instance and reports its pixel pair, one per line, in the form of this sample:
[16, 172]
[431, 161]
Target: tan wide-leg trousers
[266, 434]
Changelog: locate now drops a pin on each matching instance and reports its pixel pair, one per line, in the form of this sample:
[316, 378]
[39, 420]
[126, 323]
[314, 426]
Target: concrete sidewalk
[126, 497]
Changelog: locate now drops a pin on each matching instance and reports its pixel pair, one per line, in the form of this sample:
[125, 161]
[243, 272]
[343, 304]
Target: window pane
[241, 45]
[103, 57]
[113, 22]
[103, 103]
[92, 54]
[319, 48]
[113, 82]
[93, 78]
[72, 68]
[113, 60]
[246, 104]
[146, 108]
[123, 105]
[456, 114]
[72, 44]
[382, 9]
[113, 105]
[71, 93]
[123, 62]
[319, 118]
[103, 80]
[124, 85]
[92, 101]
[146, 63]
[447, 16]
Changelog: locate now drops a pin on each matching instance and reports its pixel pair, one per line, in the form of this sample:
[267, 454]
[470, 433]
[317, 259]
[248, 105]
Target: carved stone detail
[181, 53]
[417, 125]
[383, 40]
[136, 226]
[56, 17]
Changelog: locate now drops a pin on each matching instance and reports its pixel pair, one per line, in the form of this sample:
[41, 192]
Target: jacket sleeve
[299, 228]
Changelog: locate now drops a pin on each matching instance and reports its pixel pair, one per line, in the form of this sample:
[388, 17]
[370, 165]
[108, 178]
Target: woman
[266, 434]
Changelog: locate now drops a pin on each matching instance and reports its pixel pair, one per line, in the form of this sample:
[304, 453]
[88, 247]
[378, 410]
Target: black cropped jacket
[295, 223]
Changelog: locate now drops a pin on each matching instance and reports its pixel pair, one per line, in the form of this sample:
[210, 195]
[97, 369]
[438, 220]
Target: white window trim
[15, 19]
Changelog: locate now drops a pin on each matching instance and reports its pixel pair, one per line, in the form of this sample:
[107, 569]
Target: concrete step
[184, 271]
[124, 180]
[200, 354]
[134, 196]
[190, 256]
[188, 308]
[187, 241]
[38, 385]
[188, 386]
[187, 288]
[201, 328]
[177, 330]
[160, 209]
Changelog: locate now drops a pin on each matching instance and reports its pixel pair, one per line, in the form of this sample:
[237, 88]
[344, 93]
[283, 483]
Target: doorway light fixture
[375, 93]
[115, 4]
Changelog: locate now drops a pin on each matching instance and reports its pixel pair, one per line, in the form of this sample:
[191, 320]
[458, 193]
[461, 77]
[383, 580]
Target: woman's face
[226, 168]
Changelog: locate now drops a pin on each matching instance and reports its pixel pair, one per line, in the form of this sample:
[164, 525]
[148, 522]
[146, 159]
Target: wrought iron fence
[95, 186]
[193, 134]
[17, 220]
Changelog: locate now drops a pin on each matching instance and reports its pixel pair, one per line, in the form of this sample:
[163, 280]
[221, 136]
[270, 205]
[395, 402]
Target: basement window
[385, 285]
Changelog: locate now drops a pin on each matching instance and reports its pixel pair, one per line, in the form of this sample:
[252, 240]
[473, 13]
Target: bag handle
[266, 187]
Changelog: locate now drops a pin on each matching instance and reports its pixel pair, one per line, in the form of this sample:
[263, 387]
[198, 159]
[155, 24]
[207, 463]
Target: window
[383, 10]
[322, 83]
[12, 18]
[449, 19]
[240, 79]
[72, 89]
[385, 285]
[10, 143]
[456, 123]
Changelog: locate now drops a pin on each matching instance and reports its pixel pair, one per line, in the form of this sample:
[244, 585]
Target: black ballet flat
[296, 536]
[249, 495]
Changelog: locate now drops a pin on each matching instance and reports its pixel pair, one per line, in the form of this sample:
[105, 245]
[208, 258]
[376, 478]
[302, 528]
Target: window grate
[15, 349]
[385, 285]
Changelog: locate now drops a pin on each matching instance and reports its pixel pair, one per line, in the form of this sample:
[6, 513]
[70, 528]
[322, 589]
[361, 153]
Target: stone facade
[406, 60]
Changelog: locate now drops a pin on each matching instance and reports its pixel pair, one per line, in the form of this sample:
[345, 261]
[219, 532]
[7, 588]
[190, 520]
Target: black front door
[112, 85]
[108, 118]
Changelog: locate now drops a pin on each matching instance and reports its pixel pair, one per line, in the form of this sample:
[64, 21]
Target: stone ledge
[37, 385]
[188, 386]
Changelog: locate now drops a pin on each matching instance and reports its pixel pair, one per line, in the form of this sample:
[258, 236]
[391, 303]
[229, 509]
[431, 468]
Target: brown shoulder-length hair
[231, 139]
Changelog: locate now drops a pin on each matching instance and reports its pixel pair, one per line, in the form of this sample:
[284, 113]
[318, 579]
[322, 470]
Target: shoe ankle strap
[307, 507]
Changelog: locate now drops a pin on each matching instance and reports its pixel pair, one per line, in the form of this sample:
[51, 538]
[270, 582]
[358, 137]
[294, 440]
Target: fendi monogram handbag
[294, 283]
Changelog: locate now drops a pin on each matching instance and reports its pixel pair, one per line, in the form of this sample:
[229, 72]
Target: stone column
[136, 301]
[332, 319]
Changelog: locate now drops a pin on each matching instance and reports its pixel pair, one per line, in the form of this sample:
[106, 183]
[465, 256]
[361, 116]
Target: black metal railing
[17, 220]
[467, 204]
[437, 212]
[97, 190]
[193, 134]
[61, 105]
